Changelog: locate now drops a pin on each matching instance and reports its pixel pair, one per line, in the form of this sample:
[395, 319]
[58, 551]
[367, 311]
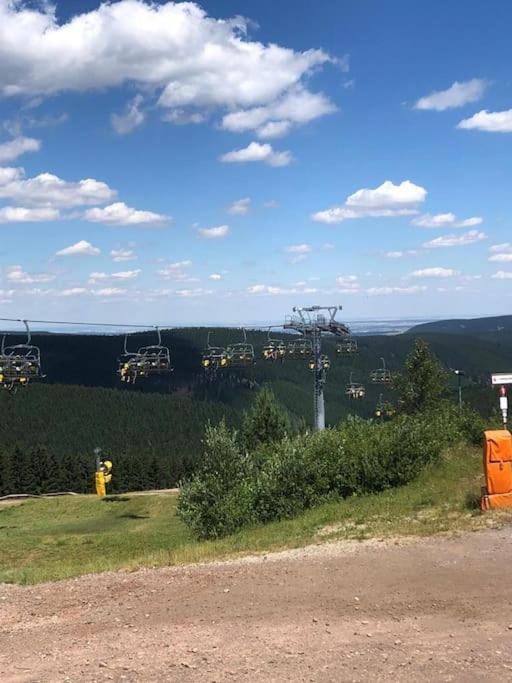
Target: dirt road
[437, 609]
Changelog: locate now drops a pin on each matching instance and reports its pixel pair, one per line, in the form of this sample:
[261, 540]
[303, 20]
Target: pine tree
[266, 422]
[423, 381]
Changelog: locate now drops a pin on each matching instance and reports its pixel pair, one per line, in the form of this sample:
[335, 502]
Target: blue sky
[177, 163]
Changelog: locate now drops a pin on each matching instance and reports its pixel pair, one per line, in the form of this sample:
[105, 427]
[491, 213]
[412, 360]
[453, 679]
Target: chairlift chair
[213, 357]
[274, 349]
[355, 390]
[19, 363]
[240, 354]
[381, 375]
[347, 347]
[154, 359]
[299, 349]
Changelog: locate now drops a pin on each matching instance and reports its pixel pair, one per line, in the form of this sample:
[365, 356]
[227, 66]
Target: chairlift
[154, 359]
[240, 354]
[274, 349]
[299, 349]
[347, 347]
[384, 408]
[381, 375]
[324, 363]
[213, 357]
[19, 363]
[355, 390]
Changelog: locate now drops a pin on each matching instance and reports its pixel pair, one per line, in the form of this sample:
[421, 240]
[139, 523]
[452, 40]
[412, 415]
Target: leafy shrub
[218, 500]
[280, 480]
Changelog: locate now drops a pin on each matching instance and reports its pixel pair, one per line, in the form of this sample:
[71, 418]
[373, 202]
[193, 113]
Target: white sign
[502, 379]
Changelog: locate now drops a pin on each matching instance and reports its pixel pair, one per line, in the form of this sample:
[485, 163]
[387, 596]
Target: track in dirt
[436, 609]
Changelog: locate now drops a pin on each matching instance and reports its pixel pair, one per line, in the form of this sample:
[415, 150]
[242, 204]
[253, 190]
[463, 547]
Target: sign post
[502, 380]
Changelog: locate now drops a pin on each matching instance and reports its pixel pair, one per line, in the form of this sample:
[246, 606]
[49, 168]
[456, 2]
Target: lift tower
[312, 322]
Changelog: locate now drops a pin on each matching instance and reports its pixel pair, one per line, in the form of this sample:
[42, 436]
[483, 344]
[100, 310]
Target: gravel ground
[425, 610]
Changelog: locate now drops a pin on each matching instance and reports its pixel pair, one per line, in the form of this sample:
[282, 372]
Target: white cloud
[298, 249]
[271, 204]
[506, 247]
[400, 254]
[349, 284]
[506, 257]
[240, 207]
[298, 106]
[502, 275]
[180, 117]
[191, 293]
[172, 48]
[73, 291]
[215, 233]
[16, 275]
[435, 272]
[456, 240]
[256, 151]
[49, 190]
[386, 200]
[382, 291]
[14, 148]
[442, 220]
[81, 248]
[489, 121]
[120, 214]
[120, 255]
[120, 275]
[277, 291]
[457, 95]
[130, 119]
[109, 291]
[328, 246]
[177, 271]
[18, 214]
[215, 277]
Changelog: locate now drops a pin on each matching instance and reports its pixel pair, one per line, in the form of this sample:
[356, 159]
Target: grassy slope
[57, 538]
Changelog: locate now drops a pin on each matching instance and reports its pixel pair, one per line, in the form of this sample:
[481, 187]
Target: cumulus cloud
[120, 255]
[177, 271]
[456, 240]
[506, 247]
[489, 121]
[174, 49]
[505, 257]
[435, 272]
[256, 151]
[457, 95]
[18, 214]
[14, 148]
[240, 207]
[273, 290]
[386, 200]
[120, 275]
[191, 293]
[274, 120]
[49, 190]
[73, 291]
[16, 275]
[218, 232]
[298, 252]
[109, 291]
[215, 277]
[120, 214]
[400, 253]
[382, 291]
[81, 248]
[443, 220]
[130, 119]
[502, 275]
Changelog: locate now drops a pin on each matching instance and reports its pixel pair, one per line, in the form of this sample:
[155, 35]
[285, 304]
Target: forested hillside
[493, 325]
[153, 430]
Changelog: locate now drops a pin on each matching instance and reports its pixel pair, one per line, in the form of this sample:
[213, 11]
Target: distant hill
[91, 361]
[497, 325]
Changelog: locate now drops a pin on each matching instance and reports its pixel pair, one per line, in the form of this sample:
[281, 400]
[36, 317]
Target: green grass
[51, 539]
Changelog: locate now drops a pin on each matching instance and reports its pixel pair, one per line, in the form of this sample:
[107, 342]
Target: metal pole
[318, 389]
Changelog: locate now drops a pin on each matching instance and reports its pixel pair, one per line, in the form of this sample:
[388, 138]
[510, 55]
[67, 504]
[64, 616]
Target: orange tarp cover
[497, 469]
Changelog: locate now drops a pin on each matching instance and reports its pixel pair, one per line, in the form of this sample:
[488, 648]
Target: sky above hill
[181, 163]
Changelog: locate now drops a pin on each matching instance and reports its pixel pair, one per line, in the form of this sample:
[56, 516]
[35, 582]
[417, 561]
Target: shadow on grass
[116, 499]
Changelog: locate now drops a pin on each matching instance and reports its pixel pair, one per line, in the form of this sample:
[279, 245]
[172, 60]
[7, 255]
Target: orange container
[497, 492]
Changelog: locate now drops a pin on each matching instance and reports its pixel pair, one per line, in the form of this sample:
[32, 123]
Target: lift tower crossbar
[312, 322]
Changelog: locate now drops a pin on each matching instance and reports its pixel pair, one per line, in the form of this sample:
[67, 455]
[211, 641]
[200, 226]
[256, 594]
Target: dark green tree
[266, 422]
[423, 381]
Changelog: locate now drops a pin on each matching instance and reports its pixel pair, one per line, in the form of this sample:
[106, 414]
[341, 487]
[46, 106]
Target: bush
[280, 480]
[218, 500]
[267, 422]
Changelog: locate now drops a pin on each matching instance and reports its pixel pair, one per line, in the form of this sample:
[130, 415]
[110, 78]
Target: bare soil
[426, 610]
